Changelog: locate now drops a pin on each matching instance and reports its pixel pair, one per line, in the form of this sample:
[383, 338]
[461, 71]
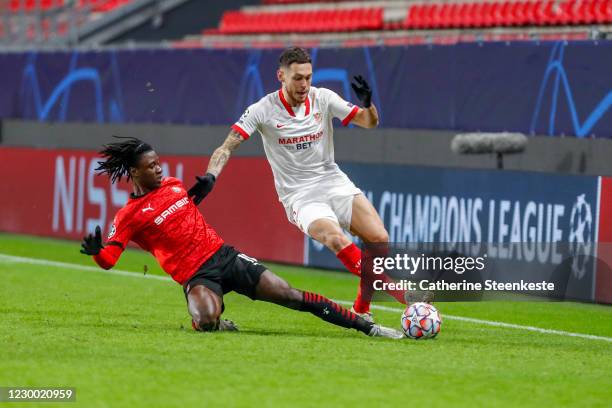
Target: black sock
[333, 313]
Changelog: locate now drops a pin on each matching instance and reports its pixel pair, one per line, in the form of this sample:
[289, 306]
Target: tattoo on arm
[222, 154]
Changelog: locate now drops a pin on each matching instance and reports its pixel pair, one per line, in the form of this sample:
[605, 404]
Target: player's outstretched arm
[107, 256]
[366, 117]
[222, 154]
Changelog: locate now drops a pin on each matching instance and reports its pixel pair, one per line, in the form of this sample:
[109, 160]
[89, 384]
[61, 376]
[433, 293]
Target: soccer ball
[421, 321]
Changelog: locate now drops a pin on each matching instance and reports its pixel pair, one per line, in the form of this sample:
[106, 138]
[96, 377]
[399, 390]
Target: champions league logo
[112, 231]
[581, 224]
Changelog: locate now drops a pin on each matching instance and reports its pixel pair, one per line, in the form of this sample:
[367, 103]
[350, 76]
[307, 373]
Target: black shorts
[227, 270]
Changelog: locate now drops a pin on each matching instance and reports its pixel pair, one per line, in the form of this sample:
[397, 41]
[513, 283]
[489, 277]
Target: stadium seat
[335, 20]
[437, 14]
[444, 15]
[299, 1]
[412, 16]
[454, 12]
[34, 5]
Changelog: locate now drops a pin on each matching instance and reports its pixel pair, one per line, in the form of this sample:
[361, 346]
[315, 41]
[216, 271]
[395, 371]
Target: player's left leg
[272, 288]
[367, 225]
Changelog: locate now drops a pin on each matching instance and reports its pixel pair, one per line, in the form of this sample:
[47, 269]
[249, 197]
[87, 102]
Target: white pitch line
[497, 324]
[45, 262]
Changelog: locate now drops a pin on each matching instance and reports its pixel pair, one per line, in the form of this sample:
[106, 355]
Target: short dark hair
[294, 54]
[120, 156]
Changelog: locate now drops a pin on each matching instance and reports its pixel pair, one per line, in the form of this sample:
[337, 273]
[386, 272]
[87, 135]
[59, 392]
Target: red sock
[363, 299]
[397, 294]
[351, 258]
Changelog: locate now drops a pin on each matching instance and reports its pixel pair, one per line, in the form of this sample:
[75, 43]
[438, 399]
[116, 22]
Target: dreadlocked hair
[120, 156]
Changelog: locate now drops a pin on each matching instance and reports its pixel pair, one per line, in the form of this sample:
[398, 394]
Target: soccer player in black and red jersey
[161, 218]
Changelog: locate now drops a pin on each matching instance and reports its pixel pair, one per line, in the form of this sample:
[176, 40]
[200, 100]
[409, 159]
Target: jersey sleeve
[120, 232]
[116, 242]
[250, 120]
[338, 107]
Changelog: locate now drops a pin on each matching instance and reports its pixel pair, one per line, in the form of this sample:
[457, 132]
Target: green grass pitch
[124, 341]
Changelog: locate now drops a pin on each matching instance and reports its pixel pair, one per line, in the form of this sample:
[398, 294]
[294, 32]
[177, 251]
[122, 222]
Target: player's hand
[92, 244]
[362, 90]
[202, 187]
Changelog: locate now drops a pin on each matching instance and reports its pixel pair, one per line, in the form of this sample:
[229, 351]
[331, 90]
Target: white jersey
[299, 141]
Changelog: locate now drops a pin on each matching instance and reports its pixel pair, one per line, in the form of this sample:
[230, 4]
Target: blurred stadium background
[178, 73]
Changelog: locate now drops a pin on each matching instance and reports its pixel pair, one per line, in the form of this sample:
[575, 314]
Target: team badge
[317, 116]
[176, 189]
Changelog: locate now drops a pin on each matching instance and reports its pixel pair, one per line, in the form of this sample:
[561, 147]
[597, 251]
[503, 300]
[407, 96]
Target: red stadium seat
[468, 16]
[437, 14]
[337, 20]
[531, 10]
[519, 13]
[561, 13]
[426, 20]
[33, 5]
[460, 15]
[544, 13]
[484, 17]
[454, 14]
[444, 16]
[603, 12]
[412, 16]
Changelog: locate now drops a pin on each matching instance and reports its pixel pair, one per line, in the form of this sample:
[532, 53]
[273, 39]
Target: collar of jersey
[136, 197]
[288, 107]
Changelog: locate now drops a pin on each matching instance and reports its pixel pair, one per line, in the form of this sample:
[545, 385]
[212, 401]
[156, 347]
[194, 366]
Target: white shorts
[333, 205]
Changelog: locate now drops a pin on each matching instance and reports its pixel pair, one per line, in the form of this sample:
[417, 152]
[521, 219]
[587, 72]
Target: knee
[205, 308]
[205, 320]
[289, 295]
[335, 241]
[293, 298]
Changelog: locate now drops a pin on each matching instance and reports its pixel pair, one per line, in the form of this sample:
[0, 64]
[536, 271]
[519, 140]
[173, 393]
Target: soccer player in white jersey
[296, 125]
